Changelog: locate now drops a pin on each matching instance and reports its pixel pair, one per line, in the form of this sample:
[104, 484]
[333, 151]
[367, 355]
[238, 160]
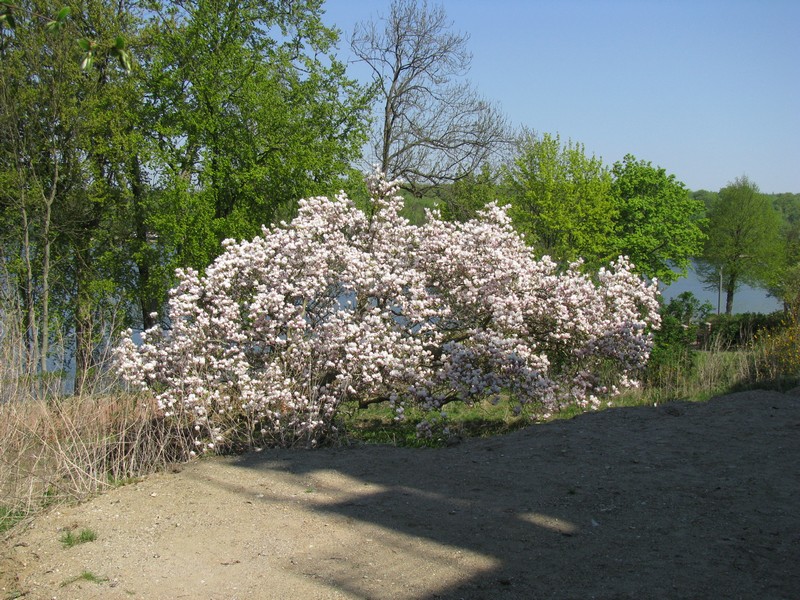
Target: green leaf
[87, 62]
[63, 14]
[53, 26]
[125, 60]
[85, 44]
[119, 43]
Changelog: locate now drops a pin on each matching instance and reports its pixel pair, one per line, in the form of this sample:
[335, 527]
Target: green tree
[33, 125]
[57, 22]
[704, 196]
[560, 199]
[784, 279]
[462, 200]
[743, 244]
[109, 180]
[245, 110]
[55, 123]
[658, 223]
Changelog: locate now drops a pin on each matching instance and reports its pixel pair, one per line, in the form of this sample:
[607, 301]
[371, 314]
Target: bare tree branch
[433, 127]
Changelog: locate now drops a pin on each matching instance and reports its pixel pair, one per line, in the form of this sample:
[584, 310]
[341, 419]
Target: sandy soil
[675, 501]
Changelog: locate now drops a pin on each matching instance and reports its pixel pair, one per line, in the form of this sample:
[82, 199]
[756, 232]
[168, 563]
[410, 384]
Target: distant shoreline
[747, 298]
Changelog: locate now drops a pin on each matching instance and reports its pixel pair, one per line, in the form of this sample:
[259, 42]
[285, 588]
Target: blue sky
[707, 89]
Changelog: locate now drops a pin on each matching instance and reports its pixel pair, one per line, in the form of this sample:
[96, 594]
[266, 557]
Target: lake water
[746, 299]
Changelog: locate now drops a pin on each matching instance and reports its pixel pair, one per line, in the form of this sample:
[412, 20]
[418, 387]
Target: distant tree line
[572, 206]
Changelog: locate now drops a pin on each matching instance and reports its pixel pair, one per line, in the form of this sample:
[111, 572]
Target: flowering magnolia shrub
[340, 305]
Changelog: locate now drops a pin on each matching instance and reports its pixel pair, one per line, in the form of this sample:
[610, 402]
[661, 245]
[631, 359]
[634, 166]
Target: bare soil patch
[682, 500]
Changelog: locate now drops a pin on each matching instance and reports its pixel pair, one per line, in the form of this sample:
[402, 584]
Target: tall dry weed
[72, 447]
[56, 446]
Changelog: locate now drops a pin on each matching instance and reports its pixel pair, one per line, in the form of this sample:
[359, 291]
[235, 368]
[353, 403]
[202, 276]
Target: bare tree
[432, 127]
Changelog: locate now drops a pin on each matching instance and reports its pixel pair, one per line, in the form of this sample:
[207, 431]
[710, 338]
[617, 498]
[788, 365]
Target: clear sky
[707, 89]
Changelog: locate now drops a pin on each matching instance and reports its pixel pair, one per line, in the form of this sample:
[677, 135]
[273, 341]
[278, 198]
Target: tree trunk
[83, 325]
[45, 329]
[148, 304]
[730, 288]
[31, 334]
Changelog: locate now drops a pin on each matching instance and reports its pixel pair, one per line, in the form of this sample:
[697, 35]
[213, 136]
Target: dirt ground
[675, 501]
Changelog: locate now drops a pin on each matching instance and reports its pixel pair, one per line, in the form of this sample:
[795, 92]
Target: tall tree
[110, 179]
[784, 280]
[743, 241]
[659, 224]
[432, 127]
[560, 199]
[57, 124]
[246, 110]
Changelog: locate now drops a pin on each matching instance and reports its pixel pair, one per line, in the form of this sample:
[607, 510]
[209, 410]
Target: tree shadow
[680, 501]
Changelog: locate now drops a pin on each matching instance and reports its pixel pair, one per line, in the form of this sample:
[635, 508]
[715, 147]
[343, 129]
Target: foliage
[57, 207]
[416, 209]
[341, 305]
[378, 423]
[246, 110]
[462, 200]
[432, 128]
[58, 21]
[706, 197]
[561, 200]
[87, 576]
[658, 224]
[111, 180]
[784, 275]
[675, 341]
[739, 330]
[570, 205]
[743, 244]
[9, 517]
[688, 310]
[778, 352]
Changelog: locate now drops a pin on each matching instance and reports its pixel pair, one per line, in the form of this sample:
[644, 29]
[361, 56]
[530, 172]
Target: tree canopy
[230, 113]
[784, 276]
[572, 206]
[561, 199]
[658, 223]
[743, 244]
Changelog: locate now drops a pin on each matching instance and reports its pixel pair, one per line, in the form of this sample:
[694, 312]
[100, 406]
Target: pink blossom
[338, 305]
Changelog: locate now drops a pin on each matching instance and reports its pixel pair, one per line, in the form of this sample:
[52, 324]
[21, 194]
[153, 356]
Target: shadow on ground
[678, 501]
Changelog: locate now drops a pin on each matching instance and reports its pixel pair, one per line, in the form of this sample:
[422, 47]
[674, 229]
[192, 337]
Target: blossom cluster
[339, 305]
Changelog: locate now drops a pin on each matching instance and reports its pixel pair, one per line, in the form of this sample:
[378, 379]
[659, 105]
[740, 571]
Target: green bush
[675, 343]
[739, 330]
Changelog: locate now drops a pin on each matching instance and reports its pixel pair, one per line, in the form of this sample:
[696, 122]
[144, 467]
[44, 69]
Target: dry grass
[70, 448]
[59, 447]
